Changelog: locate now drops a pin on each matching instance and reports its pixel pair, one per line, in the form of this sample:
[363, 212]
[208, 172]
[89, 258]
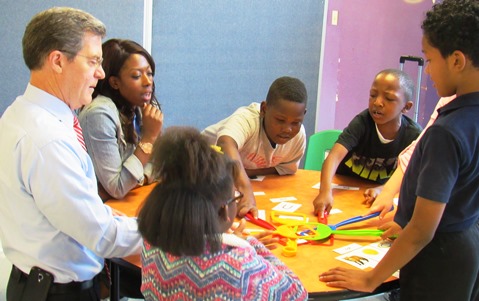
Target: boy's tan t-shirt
[245, 126]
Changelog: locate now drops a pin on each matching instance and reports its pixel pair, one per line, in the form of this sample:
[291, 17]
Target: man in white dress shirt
[54, 227]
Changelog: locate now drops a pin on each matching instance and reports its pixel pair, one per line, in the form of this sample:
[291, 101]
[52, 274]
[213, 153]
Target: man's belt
[59, 288]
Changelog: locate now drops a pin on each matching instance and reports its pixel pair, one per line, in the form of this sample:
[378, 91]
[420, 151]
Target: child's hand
[391, 229]
[264, 236]
[323, 203]
[349, 278]
[382, 204]
[370, 196]
[266, 239]
[247, 204]
[238, 231]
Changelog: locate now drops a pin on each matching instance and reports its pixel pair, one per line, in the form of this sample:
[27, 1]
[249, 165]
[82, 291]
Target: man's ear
[263, 108]
[56, 59]
[114, 82]
[407, 106]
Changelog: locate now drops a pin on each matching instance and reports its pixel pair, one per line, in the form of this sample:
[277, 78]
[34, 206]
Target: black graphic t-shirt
[368, 158]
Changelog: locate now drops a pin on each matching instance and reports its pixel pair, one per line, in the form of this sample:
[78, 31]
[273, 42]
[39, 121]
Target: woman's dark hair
[115, 54]
[180, 216]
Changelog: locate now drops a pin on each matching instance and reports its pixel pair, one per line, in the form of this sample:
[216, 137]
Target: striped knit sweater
[242, 270]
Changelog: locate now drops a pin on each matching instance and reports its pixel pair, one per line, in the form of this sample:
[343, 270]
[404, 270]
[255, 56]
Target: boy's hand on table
[370, 196]
[391, 229]
[382, 204]
[323, 203]
[347, 278]
[247, 204]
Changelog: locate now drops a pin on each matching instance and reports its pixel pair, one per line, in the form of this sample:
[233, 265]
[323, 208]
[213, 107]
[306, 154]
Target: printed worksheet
[287, 207]
[364, 257]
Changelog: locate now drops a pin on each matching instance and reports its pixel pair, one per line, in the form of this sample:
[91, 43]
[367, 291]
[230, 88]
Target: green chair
[319, 145]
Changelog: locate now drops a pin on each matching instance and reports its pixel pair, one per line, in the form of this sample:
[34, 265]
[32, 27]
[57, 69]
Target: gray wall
[216, 55]
[123, 18]
[212, 56]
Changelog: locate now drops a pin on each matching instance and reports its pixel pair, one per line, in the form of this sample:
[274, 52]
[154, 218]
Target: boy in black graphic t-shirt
[369, 146]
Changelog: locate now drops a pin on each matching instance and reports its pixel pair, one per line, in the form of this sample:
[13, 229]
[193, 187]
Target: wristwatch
[146, 147]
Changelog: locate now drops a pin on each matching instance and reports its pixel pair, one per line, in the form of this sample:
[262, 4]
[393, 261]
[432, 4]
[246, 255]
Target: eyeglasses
[94, 61]
[237, 198]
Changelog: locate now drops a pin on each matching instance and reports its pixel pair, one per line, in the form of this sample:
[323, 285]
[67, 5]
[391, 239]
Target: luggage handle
[404, 58]
[420, 62]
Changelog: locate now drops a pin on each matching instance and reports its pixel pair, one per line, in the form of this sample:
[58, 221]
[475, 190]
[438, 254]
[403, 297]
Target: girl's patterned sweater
[241, 270]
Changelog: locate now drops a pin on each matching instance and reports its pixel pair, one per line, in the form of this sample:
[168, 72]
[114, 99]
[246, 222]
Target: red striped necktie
[78, 131]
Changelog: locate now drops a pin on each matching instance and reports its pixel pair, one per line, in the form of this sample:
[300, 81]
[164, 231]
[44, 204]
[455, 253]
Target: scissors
[259, 222]
[317, 231]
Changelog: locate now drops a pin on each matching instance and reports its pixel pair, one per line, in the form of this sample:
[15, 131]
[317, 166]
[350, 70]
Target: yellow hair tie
[217, 148]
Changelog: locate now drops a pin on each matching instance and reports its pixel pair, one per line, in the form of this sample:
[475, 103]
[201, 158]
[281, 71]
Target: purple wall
[369, 36]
